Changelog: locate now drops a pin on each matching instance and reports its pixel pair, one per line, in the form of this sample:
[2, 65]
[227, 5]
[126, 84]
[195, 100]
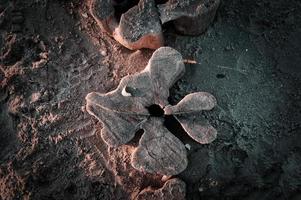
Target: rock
[118, 128]
[173, 189]
[123, 115]
[191, 17]
[140, 27]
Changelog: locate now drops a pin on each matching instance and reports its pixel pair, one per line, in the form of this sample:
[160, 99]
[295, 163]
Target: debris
[85, 15]
[103, 13]
[35, 97]
[188, 146]
[140, 26]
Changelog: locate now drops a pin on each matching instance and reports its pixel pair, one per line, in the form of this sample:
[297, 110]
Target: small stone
[85, 15]
[201, 189]
[103, 53]
[228, 48]
[42, 46]
[188, 146]
[43, 55]
[103, 12]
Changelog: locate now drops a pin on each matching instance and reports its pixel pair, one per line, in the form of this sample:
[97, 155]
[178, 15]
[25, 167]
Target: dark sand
[50, 148]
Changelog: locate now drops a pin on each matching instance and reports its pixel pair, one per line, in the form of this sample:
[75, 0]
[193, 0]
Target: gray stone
[141, 25]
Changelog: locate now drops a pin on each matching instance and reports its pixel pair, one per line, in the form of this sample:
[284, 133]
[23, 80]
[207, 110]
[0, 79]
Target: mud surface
[53, 54]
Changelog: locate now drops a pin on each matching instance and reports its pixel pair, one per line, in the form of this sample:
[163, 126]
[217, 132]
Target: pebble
[85, 15]
[103, 53]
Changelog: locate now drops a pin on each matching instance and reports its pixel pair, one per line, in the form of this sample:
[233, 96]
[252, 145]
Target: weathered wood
[159, 151]
[104, 14]
[191, 17]
[140, 27]
[124, 111]
[197, 128]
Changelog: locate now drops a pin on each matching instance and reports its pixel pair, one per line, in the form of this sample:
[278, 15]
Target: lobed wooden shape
[123, 112]
[141, 26]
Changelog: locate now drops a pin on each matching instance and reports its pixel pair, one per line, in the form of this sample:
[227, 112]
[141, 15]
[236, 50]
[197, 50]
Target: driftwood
[140, 26]
[125, 110]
